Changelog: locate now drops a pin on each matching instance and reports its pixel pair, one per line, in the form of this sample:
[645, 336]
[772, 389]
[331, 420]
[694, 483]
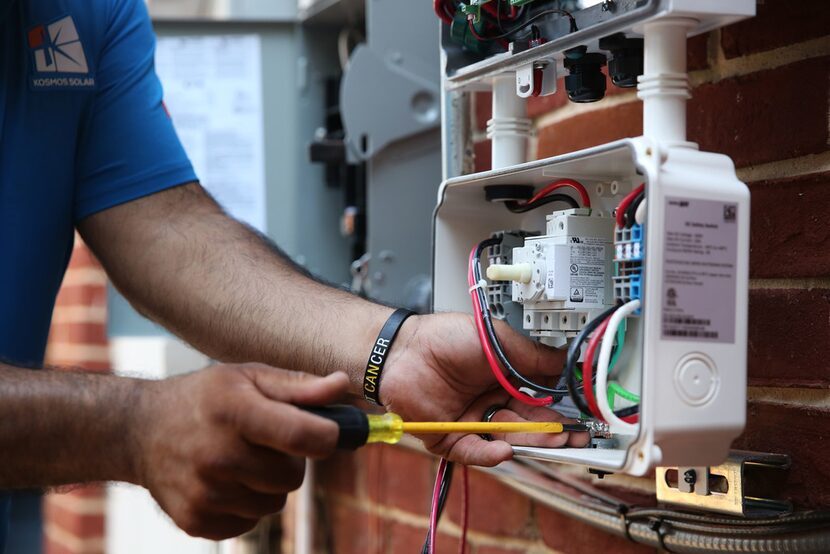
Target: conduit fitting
[520, 273]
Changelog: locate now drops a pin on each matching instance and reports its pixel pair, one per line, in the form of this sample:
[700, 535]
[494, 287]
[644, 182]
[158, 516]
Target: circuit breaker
[632, 255]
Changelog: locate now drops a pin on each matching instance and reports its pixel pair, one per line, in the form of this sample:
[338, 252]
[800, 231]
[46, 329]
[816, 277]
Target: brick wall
[74, 518]
[761, 96]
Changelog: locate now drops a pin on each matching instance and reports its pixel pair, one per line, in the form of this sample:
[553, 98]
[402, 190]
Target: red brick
[790, 230]
[777, 23]
[84, 526]
[804, 434]
[341, 472]
[82, 295]
[79, 333]
[52, 547]
[350, 529]
[92, 490]
[697, 52]
[493, 508]
[482, 156]
[590, 129]
[541, 105]
[400, 537]
[765, 116]
[789, 337]
[483, 110]
[82, 257]
[396, 476]
[569, 536]
[499, 550]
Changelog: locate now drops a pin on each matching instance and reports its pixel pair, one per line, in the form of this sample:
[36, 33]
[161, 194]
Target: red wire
[488, 348]
[558, 184]
[629, 198]
[438, 8]
[588, 374]
[588, 369]
[436, 493]
[473, 30]
[465, 509]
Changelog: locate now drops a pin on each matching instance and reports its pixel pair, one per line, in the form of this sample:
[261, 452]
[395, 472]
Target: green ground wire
[615, 389]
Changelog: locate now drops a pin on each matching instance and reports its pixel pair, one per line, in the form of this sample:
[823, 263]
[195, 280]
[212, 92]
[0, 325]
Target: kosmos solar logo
[58, 56]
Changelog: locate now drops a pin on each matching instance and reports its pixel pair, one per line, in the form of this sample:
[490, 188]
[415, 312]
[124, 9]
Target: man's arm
[223, 288]
[181, 261]
[218, 449]
[66, 427]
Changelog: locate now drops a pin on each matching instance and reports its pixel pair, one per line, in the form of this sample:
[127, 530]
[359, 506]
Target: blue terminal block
[629, 252]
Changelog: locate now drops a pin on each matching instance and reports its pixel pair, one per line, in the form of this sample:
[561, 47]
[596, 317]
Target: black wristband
[380, 351]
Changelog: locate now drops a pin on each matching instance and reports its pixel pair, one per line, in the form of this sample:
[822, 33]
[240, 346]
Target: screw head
[690, 476]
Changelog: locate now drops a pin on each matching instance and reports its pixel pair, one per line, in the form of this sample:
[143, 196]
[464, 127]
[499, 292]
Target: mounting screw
[690, 476]
[609, 6]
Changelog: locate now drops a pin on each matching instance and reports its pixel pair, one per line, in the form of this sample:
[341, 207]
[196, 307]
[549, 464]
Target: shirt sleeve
[128, 147]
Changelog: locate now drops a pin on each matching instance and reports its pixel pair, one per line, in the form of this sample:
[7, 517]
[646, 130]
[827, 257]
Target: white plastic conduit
[664, 85]
[509, 128]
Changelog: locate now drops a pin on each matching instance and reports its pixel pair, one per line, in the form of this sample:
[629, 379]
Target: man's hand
[221, 448]
[437, 372]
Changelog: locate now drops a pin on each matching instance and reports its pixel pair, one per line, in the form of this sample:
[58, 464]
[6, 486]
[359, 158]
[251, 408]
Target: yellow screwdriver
[358, 428]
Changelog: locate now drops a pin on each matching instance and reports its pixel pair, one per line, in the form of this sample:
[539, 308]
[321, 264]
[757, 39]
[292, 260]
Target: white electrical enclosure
[691, 377]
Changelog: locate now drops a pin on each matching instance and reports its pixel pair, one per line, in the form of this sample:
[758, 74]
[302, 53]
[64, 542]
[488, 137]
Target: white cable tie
[480, 285]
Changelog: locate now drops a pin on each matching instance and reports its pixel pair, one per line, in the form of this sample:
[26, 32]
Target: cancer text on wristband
[380, 351]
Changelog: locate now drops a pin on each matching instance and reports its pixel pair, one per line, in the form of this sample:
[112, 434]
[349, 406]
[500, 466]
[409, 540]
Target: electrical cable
[588, 369]
[602, 365]
[558, 184]
[632, 209]
[520, 208]
[519, 27]
[618, 348]
[640, 213]
[443, 480]
[620, 216]
[440, 9]
[569, 372]
[490, 330]
[588, 373]
[465, 508]
[479, 318]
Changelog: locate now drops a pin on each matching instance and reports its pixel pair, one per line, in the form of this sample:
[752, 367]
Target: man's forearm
[216, 283]
[61, 427]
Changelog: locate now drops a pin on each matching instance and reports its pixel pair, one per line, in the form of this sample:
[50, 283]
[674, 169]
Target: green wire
[614, 388]
[619, 349]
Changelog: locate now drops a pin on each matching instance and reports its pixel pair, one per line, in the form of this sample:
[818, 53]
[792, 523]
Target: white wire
[602, 367]
[640, 214]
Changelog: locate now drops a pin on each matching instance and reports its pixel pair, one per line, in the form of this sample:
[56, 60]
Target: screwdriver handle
[353, 424]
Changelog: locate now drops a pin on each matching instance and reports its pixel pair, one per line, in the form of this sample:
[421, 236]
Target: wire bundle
[440, 491]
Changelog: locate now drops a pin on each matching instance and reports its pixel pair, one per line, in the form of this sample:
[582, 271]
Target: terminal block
[628, 263]
[500, 293]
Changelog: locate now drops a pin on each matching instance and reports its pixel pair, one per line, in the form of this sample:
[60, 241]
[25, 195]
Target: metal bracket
[739, 486]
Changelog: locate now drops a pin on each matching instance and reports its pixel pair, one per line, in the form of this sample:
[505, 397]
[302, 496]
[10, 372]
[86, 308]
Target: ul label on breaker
[699, 270]
[587, 273]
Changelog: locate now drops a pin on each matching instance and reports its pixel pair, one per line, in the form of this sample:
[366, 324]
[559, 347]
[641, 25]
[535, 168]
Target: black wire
[442, 499]
[570, 364]
[530, 20]
[519, 208]
[491, 331]
[632, 209]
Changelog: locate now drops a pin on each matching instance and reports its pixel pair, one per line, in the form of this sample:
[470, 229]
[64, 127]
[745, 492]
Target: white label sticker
[587, 273]
[699, 270]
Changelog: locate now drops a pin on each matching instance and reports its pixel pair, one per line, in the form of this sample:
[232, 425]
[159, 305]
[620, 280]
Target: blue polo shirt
[82, 129]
